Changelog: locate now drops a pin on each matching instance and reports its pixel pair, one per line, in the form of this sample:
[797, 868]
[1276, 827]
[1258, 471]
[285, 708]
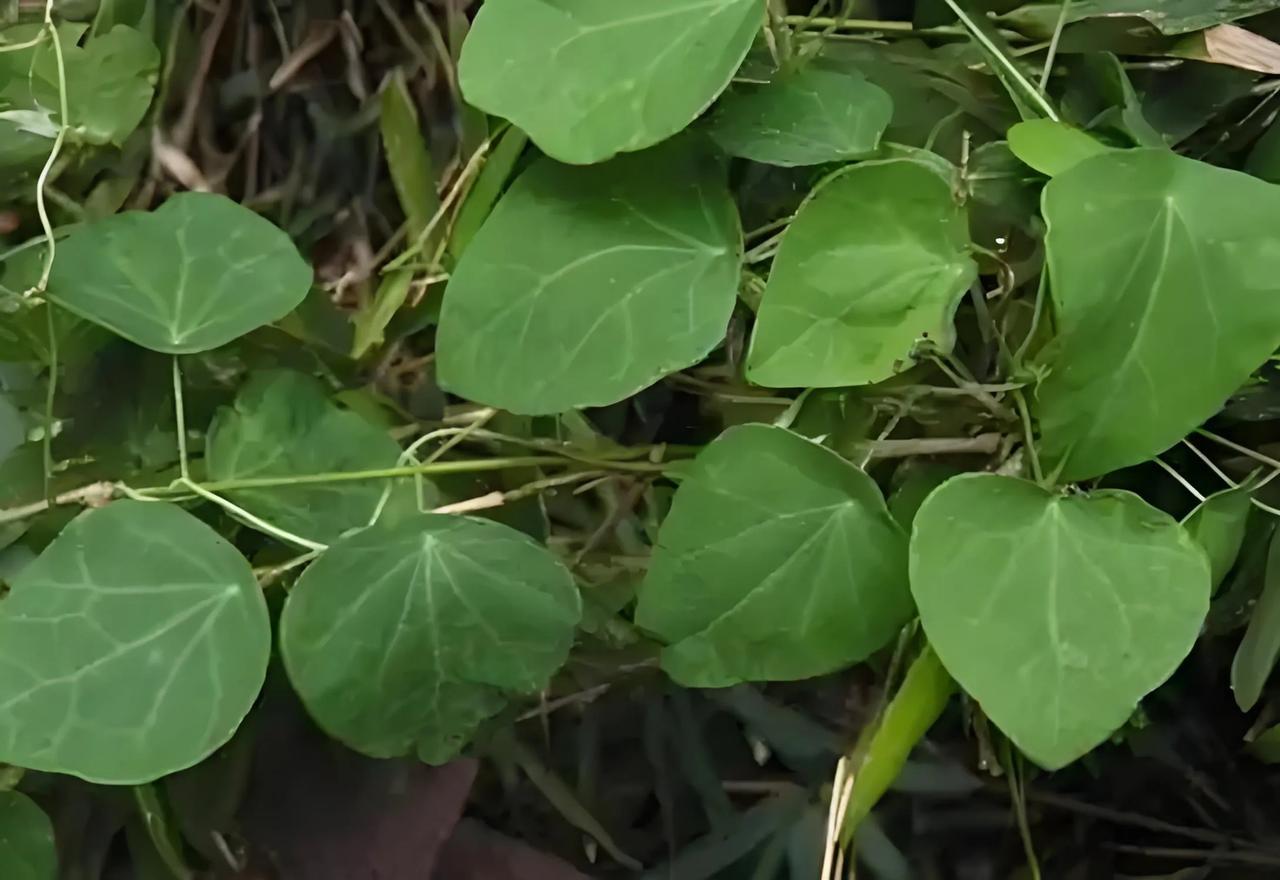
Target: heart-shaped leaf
[196, 273]
[874, 263]
[588, 79]
[1057, 613]
[778, 560]
[1163, 279]
[282, 425]
[27, 850]
[132, 647]
[404, 638]
[586, 285]
[808, 117]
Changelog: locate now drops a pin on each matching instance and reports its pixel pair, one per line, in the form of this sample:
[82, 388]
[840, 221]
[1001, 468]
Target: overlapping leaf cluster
[1053, 292]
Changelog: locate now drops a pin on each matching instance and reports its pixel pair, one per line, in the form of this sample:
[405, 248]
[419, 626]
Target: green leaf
[132, 647]
[1057, 613]
[1169, 16]
[1264, 159]
[875, 261]
[110, 83]
[284, 425]
[1162, 273]
[925, 692]
[1256, 657]
[1052, 147]
[13, 431]
[27, 849]
[588, 79]
[372, 320]
[778, 561]
[407, 156]
[197, 273]
[483, 194]
[588, 284]
[403, 639]
[1218, 525]
[807, 117]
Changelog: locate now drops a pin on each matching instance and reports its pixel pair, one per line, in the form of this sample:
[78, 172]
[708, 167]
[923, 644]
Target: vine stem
[1028, 438]
[256, 521]
[51, 394]
[41, 182]
[180, 421]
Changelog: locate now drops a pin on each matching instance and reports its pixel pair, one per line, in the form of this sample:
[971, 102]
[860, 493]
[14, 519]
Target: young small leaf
[1052, 147]
[1256, 657]
[403, 639]
[284, 425]
[27, 848]
[1058, 613]
[1218, 525]
[807, 117]
[875, 261]
[588, 79]
[196, 273]
[778, 561]
[1147, 249]
[589, 284]
[132, 647]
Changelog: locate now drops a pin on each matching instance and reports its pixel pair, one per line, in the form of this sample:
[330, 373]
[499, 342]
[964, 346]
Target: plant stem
[41, 207]
[983, 444]
[391, 473]
[51, 393]
[257, 522]
[93, 495]
[1028, 438]
[1243, 450]
[180, 421]
[1053, 44]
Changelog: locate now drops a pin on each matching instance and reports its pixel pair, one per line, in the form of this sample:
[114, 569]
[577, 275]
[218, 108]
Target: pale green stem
[51, 392]
[180, 421]
[257, 522]
[1028, 437]
[41, 206]
[1053, 45]
[1182, 481]
[999, 58]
